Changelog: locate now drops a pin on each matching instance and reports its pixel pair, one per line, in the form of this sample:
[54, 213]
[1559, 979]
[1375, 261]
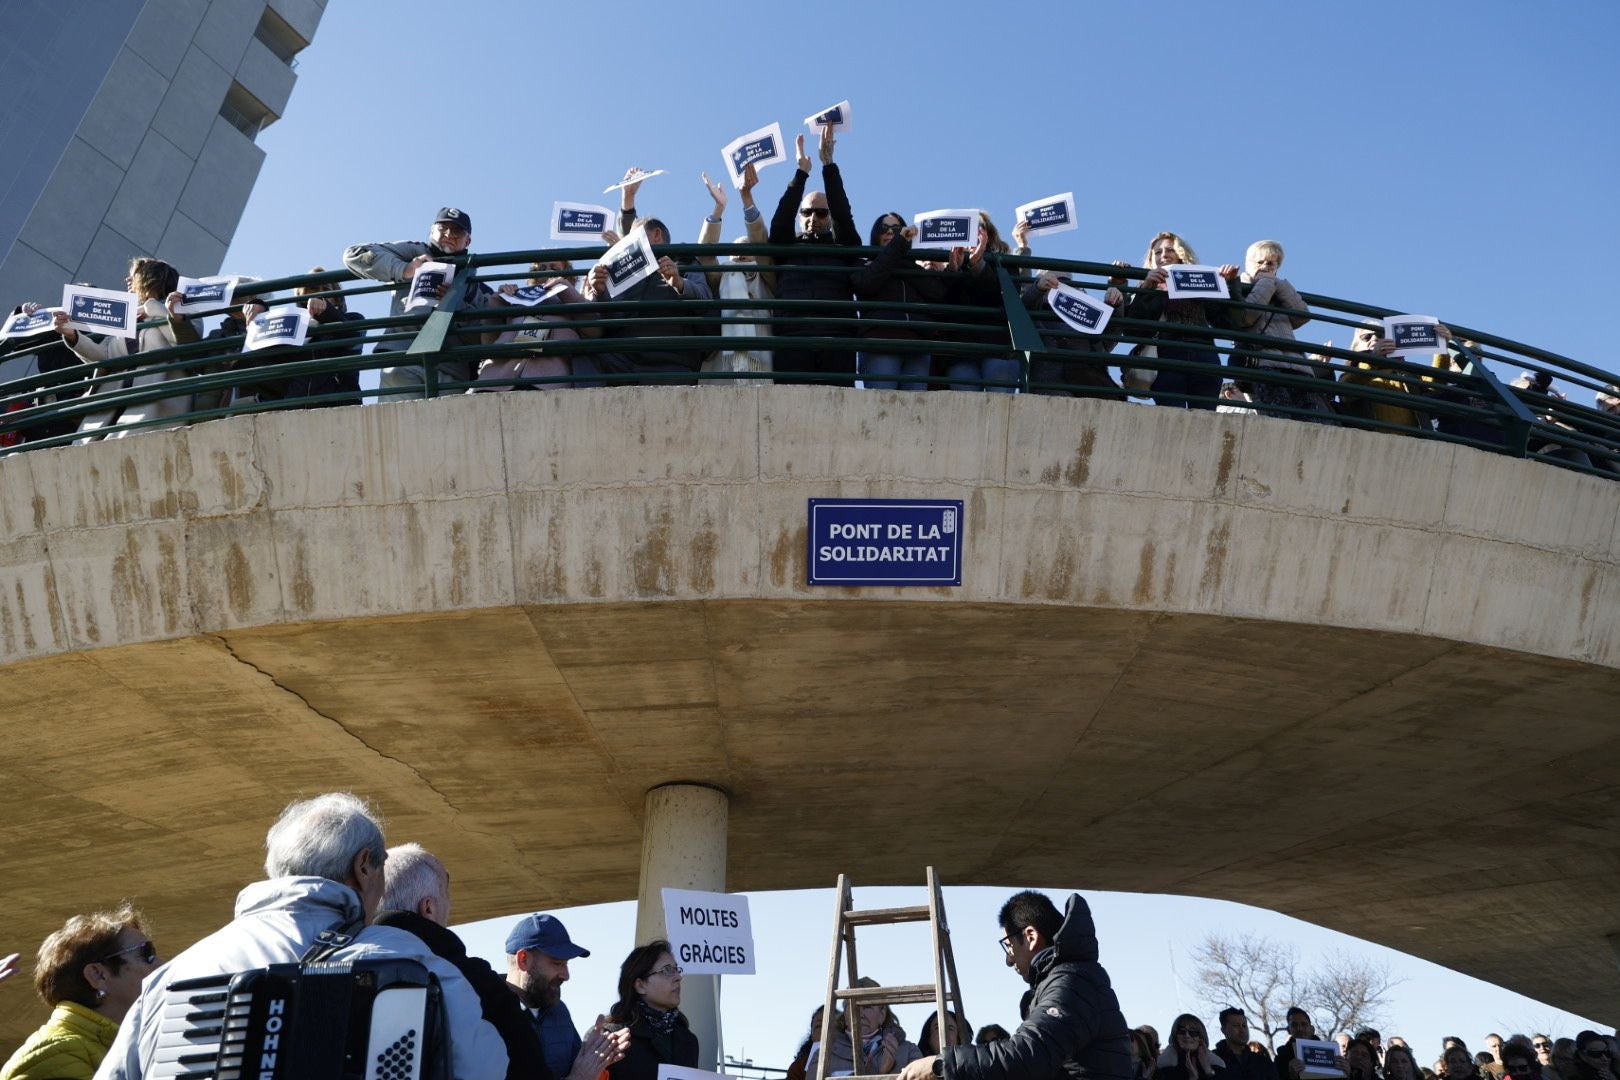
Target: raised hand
[627, 194]
[718, 193]
[1021, 232]
[826, 147]
[750, 178]
[804, 159]
[1229, 272]
[172, 302]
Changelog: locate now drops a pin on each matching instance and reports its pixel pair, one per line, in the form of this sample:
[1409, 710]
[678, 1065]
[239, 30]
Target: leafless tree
[1264, 977]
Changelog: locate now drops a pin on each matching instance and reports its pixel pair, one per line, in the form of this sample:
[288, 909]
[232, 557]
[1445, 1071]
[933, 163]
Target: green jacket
[68, 1047]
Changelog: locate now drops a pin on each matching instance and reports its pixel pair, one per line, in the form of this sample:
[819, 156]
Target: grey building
[129, 130]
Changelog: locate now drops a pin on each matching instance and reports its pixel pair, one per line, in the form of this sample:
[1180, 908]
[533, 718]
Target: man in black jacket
[1072, 1022]
[416, 899]
[824, 231]
[1241, 1062]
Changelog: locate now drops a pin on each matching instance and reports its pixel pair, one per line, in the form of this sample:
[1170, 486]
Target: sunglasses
[814, 211]
[1542, 1046]
[891, 226]
[148, 953]
[1190, 1032]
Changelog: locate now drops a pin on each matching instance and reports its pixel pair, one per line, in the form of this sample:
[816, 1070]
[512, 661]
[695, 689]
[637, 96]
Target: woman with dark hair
[1594, 1057]
[155, 284]
[956, 1033]
[1459, 1063]
[1144, 1055]
[1399, 1064]
[90, 973]
[796, 1070]
[991, 1033]
[1361, 1060]
[650, 1006]
[1188, 1056]
[893, 276]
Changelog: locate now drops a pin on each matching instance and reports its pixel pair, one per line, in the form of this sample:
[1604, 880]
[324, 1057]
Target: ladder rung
[878, 916]
[915, 994]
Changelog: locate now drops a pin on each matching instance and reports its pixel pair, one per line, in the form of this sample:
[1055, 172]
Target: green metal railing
[1466, 404]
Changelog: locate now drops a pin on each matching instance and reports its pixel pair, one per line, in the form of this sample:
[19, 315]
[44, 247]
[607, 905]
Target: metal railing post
[1520, 419]
[1025, 338]
[429, 340]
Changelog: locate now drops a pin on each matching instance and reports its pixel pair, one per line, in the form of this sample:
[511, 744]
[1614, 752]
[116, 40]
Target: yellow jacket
[69, 1046]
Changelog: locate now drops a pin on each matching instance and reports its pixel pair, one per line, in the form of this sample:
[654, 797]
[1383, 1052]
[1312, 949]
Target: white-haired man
[324, 871]
[414, 916]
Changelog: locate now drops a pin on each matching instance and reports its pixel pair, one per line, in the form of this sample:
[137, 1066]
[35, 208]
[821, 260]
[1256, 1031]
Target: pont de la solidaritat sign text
[885, 542]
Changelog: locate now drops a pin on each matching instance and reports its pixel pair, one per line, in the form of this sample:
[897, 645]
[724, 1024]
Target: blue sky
[1445, 158]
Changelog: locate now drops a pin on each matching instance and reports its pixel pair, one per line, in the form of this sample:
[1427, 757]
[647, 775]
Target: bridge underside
[1454, 801]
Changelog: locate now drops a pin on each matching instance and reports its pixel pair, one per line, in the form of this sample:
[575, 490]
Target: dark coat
[892, 276]
[50, 355]
[1072, 1022]
[500, 1003]
[670, 322]
[825, 251]
[648, 1050]
[1172, 1067]
[1243, 1063]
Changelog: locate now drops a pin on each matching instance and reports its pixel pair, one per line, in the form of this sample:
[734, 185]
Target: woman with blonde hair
[1263, 287]
[1188, 1056]
[155, 284]
[1192, 344]
[90, 973]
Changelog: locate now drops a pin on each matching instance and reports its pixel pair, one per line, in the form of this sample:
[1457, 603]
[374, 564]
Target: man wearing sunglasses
[1072, 1025]
[822, 225]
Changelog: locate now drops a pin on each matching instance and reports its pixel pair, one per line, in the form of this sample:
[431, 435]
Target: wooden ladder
[938, 992]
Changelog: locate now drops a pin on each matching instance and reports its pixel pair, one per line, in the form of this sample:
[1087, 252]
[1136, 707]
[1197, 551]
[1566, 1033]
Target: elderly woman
[650, 1006]
[90, 973]
[884, 1048]
[155, 284]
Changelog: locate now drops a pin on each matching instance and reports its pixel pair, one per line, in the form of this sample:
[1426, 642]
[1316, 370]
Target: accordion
[373, 1019]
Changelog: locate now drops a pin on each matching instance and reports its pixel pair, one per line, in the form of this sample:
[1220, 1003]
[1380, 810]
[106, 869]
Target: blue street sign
[885, 542]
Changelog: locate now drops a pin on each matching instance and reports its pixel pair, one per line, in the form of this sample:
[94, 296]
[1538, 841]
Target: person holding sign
[975, 283]
[893, 276]
[544, 321]
[156, 286]
[1187, 335]
[449, 236]
[1089, 367]
[326, 307]
[658, 233]
[50, 355]
[821, 224]
[663, 291]
[1262, 286]
[650, 1006]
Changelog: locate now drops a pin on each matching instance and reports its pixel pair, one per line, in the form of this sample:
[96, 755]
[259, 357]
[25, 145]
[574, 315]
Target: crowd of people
[959, 339]
[334, 892]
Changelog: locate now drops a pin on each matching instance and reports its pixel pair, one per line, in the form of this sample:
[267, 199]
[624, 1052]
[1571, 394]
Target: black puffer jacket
[832, 249]
[649, 1049]
[1072, 1022]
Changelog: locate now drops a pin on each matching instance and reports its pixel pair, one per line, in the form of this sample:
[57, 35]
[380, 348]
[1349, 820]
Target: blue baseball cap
[543, 933]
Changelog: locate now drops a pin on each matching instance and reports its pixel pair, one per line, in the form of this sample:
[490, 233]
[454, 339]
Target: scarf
[662, 1022]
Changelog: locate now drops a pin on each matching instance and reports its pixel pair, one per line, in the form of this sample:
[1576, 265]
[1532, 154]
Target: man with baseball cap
[398, 261]
[537, 953]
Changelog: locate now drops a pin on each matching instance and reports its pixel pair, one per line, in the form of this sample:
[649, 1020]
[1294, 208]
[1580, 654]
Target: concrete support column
[683, 846]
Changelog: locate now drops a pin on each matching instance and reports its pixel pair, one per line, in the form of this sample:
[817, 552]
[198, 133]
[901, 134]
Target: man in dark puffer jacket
[1072, 1022]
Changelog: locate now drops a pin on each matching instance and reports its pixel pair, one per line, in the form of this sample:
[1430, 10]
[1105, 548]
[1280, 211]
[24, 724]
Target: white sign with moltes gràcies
[710, 933]
[678, 1072]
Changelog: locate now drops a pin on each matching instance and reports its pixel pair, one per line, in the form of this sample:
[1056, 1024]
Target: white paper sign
[1188, 282]
[1082, 312]
[1414, 335]
[206, 294]
[680, 1072]
[836, 117]
[628, 261]
[946, 228]
[530, 295]
[757, 148]
[1319, 1057]
[278, 326]
[710, 933]
[101, 311]
[579, 221]
[636, 176]
[24, 325]
[430, 277]
[1053, 214]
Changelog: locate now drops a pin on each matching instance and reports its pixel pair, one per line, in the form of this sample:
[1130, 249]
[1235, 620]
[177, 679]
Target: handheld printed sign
[25, 325]
[429, 278]
[579, 221]
[530, 295]
[635, 176]
[1414, 335]
[206, 294]
[946, 228]
[1083, 313]
[278, 326]
[628, 261]
[680, 1072]
[757, 148]
[836, 117]
[885, 542]
[1320, 1058]
[1190, 282]
[101, 311]
[1053, 214]
[709, 933]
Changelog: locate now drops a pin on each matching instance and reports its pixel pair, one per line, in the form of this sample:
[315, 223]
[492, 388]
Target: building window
[243, 111]
[280, 38]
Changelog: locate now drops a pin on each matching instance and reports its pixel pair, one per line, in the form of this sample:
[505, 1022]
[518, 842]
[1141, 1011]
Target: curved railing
[1461, 400]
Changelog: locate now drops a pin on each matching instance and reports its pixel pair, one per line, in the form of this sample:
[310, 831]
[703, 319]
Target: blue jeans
[885, 366]
[991, 367]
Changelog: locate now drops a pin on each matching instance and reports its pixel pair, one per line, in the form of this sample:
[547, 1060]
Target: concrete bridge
[1365, 680]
